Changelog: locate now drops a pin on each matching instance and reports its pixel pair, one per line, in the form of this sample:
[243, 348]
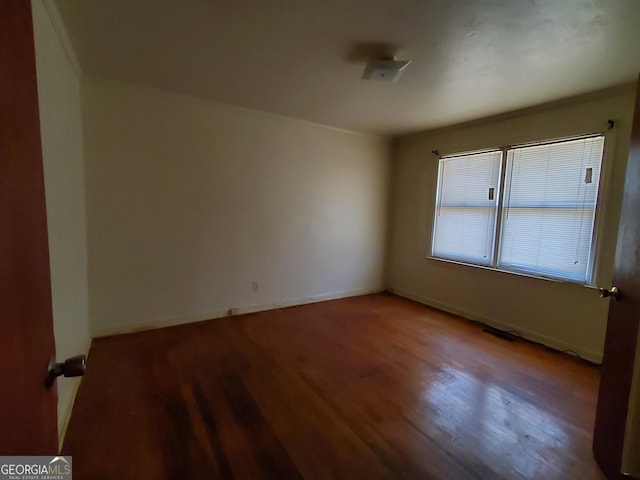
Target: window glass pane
[465, 219]
[549, 206]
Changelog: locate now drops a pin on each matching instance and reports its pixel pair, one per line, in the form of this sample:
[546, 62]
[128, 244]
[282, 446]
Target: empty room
[320, 239]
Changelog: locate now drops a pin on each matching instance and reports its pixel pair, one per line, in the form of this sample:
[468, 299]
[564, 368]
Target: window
[528, 209]
[465, 210]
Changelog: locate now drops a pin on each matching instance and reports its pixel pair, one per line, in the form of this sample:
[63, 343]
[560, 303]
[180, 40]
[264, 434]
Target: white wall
[190, 201]
[61, 131]
[558, 314]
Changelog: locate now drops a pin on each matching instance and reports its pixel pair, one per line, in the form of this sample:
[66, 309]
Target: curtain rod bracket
[611, 123]
[435, 152]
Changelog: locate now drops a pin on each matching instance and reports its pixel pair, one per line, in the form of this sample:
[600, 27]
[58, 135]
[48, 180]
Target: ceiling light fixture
[385, 69]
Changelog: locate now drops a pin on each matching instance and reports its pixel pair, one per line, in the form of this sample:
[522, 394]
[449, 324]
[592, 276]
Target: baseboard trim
[231, 312]
[528, 334]
[67, 414]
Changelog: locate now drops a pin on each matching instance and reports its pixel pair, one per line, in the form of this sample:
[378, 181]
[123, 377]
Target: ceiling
[304, 58]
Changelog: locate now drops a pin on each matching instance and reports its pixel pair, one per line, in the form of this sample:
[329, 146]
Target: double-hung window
[528, 209]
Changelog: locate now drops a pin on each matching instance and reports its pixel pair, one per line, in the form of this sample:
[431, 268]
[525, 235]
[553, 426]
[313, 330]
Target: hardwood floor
[361, 388]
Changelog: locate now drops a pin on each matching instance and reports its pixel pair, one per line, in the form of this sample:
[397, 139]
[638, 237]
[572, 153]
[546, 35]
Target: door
[616, 403]
[27, 409]
[631, 453]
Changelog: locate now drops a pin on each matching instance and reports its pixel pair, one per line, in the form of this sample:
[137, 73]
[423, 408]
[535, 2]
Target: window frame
[437, 208]
[593, 268]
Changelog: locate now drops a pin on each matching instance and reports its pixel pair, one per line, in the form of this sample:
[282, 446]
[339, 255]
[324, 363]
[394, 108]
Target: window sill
[475, 267]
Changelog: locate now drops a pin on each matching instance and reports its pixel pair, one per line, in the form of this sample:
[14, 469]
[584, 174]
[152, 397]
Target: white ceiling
[303, 58]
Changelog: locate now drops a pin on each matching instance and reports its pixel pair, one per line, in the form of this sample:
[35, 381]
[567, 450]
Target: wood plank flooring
[362, 388]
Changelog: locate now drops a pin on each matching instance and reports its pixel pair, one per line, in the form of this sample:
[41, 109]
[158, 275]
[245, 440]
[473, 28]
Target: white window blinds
[466, 207]
[549, 206]
[531, 212]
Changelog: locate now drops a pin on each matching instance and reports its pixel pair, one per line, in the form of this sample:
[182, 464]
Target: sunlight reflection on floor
[495, 421]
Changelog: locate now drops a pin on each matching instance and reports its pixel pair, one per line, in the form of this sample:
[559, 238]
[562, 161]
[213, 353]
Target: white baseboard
[229, 312]
[67, 413]
[529, 335]
[124, 328]
[304, 301]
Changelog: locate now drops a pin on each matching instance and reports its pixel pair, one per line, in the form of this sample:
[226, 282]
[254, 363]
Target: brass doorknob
[72, 367]
[614, 292]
